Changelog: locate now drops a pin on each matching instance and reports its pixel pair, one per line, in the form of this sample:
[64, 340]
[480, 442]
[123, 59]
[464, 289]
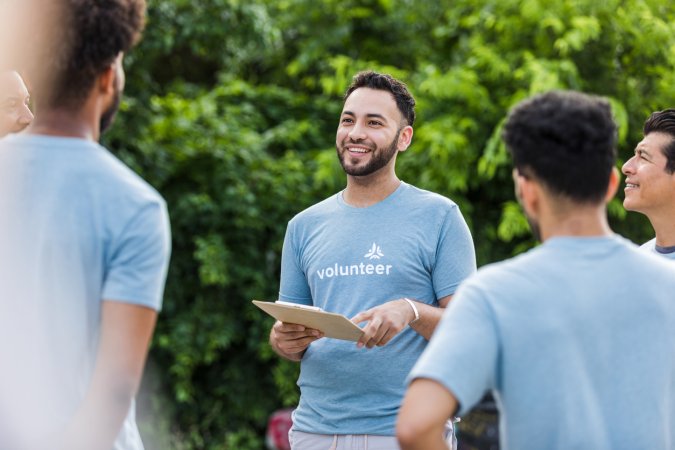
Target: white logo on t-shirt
[347, 270]
[374, 253]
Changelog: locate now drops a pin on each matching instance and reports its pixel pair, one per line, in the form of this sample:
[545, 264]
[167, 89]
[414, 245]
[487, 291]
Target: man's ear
[528, 192]
[613, 184]
[404, 138]
[106, 80]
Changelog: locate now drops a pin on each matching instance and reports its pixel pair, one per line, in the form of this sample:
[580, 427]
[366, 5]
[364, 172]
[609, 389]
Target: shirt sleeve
[463, 352]
[138, 258]
[294, 286]
[455, 254]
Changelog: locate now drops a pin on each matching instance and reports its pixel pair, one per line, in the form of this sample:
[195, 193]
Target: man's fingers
[370, 332]
[379, 335]
[297, 345]
[362, 317]
[294, 329]
[285, 327]
[387, 337]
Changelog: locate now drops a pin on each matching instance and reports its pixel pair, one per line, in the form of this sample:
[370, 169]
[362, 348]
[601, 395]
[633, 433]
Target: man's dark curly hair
[567, 141]
[383, 82]
[663, 122]
[89, 36]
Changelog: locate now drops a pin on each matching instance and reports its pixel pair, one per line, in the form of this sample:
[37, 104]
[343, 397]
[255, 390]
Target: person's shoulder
[318, 211]
[650, 245]
[648, 254]
[122, 178]
[427, 199]
[514, 270]
[87, 163]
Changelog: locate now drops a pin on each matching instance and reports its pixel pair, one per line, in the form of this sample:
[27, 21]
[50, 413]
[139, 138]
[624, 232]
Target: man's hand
[384, 322]
[290, 340]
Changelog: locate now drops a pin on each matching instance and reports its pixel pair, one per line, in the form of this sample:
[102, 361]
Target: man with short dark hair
[382, 252]
[650, 180]
[575, 338]
[84, 242]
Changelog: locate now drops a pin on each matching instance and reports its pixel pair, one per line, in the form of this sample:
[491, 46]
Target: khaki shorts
[309, 441]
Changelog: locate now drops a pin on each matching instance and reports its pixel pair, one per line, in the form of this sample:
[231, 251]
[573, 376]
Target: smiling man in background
[15, 114]
[650, 180]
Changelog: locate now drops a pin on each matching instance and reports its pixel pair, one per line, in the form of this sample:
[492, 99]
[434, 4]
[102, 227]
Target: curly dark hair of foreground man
[69, 42]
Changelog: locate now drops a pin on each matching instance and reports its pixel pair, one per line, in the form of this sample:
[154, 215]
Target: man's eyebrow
[643, 149]
[376, 115]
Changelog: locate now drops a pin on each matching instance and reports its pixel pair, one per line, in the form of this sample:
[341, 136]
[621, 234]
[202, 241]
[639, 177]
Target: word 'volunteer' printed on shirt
[362, 268]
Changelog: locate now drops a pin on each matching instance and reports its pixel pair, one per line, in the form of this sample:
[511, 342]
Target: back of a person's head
[72, 42]
[566, 140]
[384, 82]
[663, 122]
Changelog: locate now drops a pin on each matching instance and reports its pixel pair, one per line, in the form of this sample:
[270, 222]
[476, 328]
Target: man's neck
[664, 227]
[65, 123]
[362, 192]
[583, 221]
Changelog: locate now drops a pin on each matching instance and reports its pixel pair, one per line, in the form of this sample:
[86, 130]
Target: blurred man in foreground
[650, 180]
[575, 338]
[84, 242]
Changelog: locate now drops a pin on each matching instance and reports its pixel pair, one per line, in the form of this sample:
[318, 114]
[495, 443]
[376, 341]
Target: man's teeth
[357, 150]
[631, 185]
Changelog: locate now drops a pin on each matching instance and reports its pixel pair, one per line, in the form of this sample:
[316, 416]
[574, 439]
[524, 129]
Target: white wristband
[414, 308]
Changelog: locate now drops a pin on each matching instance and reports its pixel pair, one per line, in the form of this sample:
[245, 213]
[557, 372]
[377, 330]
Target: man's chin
[630, 206]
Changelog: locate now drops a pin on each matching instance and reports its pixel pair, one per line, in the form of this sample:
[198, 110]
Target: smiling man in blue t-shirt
[650, 180]
[383, 252]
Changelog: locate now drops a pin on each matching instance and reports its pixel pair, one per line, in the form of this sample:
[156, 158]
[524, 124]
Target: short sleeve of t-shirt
[138, 258]
[293, 286]
[463, 352]
[455, 256]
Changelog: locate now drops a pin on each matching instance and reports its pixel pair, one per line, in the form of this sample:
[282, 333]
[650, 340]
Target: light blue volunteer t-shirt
[344, 259]
[668, 252]
[576, 338]
[76, 227]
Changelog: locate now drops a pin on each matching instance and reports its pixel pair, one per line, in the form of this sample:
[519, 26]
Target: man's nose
[26, 116]
[627, 167]
[357, 132]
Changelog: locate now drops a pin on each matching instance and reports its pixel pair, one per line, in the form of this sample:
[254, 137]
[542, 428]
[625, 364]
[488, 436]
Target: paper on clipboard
[332, 325]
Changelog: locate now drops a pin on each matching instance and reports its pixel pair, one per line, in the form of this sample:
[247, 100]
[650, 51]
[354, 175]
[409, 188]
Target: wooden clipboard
[332, 325]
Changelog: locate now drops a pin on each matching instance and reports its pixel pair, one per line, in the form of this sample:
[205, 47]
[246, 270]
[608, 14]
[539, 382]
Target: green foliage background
[230, 112]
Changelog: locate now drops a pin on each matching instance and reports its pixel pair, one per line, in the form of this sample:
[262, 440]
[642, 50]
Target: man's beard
[108, 115]
[379, 159]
